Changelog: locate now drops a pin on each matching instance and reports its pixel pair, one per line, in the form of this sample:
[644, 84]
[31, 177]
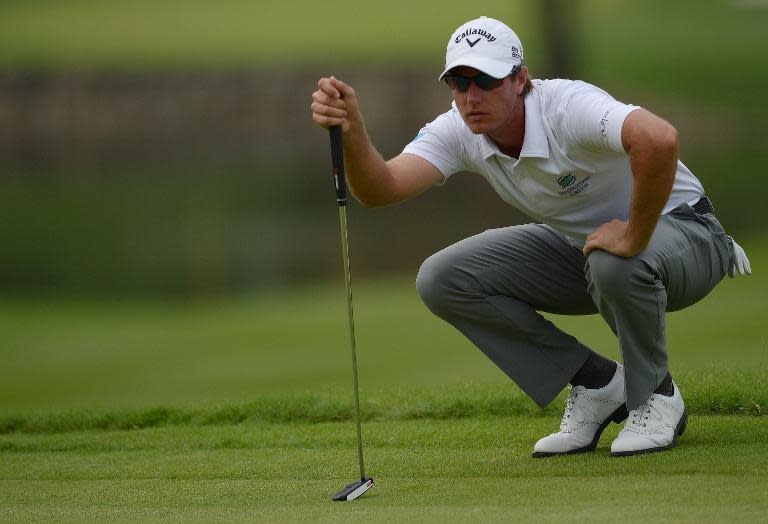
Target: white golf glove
[739, 262]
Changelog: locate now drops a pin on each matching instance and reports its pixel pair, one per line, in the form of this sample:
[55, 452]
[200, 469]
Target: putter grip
[337, 162]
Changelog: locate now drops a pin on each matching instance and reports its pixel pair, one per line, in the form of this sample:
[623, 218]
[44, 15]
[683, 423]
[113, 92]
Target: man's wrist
[635, 242]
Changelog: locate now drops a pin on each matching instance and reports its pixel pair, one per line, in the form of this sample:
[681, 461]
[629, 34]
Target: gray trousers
[491, 287]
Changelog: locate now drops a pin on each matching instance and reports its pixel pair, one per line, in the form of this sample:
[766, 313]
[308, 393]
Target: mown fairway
[240, 411]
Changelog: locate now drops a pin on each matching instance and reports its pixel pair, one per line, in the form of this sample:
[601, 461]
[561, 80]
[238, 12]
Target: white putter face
[354, 490]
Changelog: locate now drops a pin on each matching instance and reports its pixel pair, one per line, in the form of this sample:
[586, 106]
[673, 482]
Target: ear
[521, 79]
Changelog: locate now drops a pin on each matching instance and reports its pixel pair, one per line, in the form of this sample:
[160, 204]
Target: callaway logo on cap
[486, 44]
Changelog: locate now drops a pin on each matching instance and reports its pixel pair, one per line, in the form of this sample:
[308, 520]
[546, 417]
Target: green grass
[146, 34]
[715, 393]
[61, 354]
[475, 469]
[68, 354]
[240, 410]
[662, 45]
[713, 44]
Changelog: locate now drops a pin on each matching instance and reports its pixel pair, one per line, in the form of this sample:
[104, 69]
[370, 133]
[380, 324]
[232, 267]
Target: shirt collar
[535, 142]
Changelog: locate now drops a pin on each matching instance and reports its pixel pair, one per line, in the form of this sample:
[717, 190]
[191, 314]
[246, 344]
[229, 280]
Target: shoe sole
[617, 416]
[679, 430]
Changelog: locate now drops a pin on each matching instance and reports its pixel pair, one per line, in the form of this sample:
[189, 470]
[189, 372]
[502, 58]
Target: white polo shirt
[573, 173]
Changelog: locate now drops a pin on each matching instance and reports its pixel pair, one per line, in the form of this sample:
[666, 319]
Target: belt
[703, 206]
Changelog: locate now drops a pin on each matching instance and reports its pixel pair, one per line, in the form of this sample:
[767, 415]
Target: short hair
[528, 84]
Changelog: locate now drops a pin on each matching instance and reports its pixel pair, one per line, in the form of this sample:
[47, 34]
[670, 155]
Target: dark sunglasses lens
[460, 83]
[486, 82]
[483, 81]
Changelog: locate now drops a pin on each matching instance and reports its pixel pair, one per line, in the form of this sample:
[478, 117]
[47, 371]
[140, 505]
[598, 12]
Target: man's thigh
[533, 263]
[690, 254]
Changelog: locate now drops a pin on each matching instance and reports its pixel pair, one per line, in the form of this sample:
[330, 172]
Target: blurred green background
[168, 231]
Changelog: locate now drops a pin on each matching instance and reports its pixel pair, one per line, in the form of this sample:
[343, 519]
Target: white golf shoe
[587, 413]
[654, 426]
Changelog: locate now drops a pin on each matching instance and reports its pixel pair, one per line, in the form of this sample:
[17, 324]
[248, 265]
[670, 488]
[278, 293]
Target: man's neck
[510, 137]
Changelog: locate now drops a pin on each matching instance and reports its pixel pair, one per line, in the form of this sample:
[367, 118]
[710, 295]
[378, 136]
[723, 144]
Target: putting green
[426, 470]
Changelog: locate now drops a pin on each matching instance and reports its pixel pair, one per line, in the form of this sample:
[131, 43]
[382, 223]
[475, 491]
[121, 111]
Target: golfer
[620, 227]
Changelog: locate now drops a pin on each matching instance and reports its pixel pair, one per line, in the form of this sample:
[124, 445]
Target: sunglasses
[485, 82]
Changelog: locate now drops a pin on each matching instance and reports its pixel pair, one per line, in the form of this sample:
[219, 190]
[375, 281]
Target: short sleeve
[439, 144]
[593, 119]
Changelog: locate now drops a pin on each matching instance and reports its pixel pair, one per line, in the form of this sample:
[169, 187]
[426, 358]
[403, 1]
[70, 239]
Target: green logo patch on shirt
[566, 180]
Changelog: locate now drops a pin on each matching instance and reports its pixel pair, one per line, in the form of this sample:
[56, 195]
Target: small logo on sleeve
[604, 124]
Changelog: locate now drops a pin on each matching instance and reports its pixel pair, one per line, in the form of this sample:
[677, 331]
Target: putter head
[354, 490]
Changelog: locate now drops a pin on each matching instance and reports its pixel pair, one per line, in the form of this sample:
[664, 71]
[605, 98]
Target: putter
[359, 487]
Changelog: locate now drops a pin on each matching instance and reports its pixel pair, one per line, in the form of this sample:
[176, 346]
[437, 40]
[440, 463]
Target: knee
[434, 282]
[609, 274]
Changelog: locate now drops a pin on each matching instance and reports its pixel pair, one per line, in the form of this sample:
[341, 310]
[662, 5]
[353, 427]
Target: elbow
[655, 138]
[376, 197]
[370, 202]
[666, 141]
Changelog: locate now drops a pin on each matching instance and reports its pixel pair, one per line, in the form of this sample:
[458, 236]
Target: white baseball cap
[486, 44]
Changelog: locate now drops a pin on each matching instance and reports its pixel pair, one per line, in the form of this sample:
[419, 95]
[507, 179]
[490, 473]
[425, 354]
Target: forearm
[653, 168]
[372, 181]
[368, 175]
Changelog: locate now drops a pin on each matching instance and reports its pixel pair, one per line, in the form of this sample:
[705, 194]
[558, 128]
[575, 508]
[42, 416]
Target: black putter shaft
[355, 489]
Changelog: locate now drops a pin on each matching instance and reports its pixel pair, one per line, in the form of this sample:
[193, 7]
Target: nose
[474, 93]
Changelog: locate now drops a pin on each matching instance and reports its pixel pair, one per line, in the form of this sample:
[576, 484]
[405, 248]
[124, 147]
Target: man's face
[487, 112]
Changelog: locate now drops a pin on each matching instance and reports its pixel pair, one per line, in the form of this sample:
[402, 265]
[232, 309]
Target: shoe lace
[569, 405]
[640, 416]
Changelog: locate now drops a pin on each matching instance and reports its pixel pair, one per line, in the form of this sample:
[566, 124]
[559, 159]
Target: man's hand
[335, 104]
[613, 238]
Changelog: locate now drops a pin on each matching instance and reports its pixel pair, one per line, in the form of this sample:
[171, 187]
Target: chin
[481, 130]
[478, 128]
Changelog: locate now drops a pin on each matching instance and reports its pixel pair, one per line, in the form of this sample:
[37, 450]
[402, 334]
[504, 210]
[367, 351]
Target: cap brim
[489, 66]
